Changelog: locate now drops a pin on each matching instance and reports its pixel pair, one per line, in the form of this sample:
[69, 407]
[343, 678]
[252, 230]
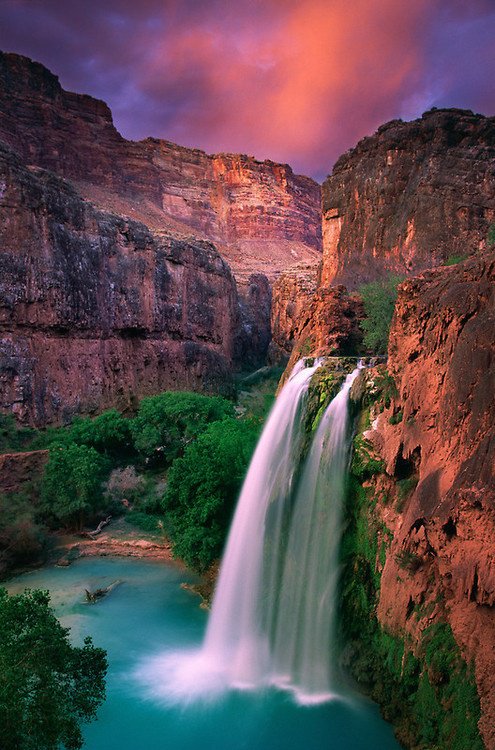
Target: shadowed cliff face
[437, 440]
[262, 217]
[408, 197]
[97, 310]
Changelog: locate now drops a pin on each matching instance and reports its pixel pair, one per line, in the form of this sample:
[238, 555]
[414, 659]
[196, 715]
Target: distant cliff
[116, 256]
[262, 217]
[409, 197]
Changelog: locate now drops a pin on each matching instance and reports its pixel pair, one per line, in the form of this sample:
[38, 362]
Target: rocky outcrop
[292, 294]
[409, 197]
[262, 217]
[434, 501]
[19, 469]
[97, 310]
[328, 325]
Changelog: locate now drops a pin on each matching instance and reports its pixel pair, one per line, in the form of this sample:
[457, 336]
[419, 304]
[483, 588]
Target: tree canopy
[166, 423]
[47, 686]
[72, 484]
[203, 487]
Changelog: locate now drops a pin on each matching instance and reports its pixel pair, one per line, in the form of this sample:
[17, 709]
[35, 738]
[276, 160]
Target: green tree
[491, 236]
[379, 299]
[71, 489]
[12, 437]
[47, 686]
[166, 423]
[203, 487]
[108, 433]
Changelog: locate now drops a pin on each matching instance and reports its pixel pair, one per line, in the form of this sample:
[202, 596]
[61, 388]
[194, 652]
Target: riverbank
[119, 539]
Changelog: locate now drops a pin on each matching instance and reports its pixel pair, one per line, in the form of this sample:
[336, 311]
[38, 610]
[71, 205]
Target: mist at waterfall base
[150, 612]
[273, 612]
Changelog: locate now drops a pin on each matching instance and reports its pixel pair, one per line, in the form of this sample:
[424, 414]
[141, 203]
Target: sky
[297, 81]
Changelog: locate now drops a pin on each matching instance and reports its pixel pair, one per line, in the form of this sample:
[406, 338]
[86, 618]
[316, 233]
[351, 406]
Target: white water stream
[273, 611]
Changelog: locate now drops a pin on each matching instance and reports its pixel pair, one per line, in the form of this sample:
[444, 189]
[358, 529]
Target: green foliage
[71, 489]
[491, 236]
[21, 538]
[12, 437]
[146, 521]
[408, 560]
[430, 695]
[107, 433]
[453, 260]
[364, 465]
[47, 686]
[202, 489]
[379, 302]
[397, 417]
[405, 488]
[165, 424]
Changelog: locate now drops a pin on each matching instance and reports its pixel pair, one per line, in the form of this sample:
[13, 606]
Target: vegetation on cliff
[423, 686]
[48, 686]
[379, 302]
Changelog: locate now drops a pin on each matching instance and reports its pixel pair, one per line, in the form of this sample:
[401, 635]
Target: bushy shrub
[491, 236]
[202, 489]
[71, 489]
[379, 299]
[165, 424]
[21, 538]
[12, 437]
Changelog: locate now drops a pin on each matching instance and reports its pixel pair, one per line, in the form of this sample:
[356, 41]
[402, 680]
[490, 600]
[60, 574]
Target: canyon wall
[262, 217]
[409, 197]
[97, 310]
[427, 462]
[111, 286]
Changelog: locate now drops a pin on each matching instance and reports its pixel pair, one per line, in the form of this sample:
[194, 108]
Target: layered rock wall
[434, 502]
[262, 216]
[97, 310]
[409, 197]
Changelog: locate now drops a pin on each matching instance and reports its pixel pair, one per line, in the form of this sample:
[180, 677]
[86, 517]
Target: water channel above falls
[149, 614]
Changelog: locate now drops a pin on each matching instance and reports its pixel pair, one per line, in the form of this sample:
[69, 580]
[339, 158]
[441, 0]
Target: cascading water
[235, 639]
[273, 610]
[274, 606]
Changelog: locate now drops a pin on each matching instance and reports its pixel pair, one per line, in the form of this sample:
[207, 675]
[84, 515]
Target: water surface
[149, 614]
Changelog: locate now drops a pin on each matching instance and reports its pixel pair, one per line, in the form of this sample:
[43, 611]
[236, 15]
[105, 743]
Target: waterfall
[274, 606]
[273, 611]
[247, 585]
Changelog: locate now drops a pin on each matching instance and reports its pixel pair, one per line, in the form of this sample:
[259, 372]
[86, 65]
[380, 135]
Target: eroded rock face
[437, 439]
[409, 197]
[96, 309]
[262, 217]
[292, 294]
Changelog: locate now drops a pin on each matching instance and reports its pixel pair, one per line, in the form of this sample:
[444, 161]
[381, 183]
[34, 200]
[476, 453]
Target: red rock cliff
[96, 309]
[439, 432]
[408, 197]
[262, 216]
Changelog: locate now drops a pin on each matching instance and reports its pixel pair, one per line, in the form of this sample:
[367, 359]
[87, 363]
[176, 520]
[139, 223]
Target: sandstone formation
[329, 325]
[96, 309]
[292, 293]
[262, 217]
[409, 197]
[437, 440]
[19, 469]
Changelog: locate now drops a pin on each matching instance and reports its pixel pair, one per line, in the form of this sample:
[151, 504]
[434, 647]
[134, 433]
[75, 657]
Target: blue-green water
[149, 614]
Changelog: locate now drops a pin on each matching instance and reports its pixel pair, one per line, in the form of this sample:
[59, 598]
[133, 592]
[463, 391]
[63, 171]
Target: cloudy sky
[296, 81]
